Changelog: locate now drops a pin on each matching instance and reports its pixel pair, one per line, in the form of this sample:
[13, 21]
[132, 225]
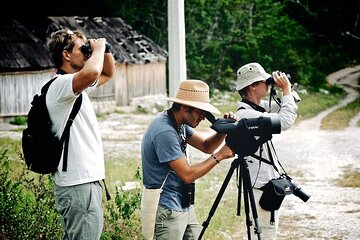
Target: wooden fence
[132, 80]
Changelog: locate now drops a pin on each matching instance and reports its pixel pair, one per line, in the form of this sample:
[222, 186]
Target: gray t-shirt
[161, 144]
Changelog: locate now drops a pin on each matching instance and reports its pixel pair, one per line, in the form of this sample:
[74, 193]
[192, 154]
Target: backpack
[41, 148]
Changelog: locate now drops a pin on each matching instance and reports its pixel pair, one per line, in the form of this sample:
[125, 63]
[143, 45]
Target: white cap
[250, 73]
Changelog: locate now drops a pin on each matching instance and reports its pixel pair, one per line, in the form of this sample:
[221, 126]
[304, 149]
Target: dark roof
[22, 46]
[128, 45]
[20, 49]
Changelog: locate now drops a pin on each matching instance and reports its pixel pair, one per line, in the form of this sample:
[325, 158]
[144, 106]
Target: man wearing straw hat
[165, 164]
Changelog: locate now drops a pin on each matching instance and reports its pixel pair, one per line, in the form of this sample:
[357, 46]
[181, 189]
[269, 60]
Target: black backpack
[41, 148]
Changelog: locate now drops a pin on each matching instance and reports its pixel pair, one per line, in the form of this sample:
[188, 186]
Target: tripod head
[241, 134]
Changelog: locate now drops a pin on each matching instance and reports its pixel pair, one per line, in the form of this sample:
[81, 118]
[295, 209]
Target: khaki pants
[81, 211]
[176, 225]
[268, 231]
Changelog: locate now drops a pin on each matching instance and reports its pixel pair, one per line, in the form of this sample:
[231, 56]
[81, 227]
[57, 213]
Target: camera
[241, 134]
[188, 195]
[297, 191]
[86, 49]
[271, 81]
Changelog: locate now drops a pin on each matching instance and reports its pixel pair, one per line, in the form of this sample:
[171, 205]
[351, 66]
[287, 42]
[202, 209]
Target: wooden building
[25, 62]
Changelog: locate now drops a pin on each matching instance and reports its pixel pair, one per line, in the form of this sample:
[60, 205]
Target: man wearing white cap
[252, 87]
[165, 164]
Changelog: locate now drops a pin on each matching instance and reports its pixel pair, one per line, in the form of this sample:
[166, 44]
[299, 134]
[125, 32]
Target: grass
[340, 118]
[349, 178]
[314, 103]
[13, 147]
[130, 168]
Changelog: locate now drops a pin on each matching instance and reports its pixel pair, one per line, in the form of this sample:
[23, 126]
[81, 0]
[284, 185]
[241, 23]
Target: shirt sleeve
[286, 112]
[167, 146]
[189, 131]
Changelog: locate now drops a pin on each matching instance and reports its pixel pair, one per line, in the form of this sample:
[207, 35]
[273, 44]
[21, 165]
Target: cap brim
[244, 84]
[200, 105]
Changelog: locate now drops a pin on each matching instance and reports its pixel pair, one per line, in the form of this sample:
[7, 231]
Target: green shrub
[122, 216]
[19, 120]
[26, 205]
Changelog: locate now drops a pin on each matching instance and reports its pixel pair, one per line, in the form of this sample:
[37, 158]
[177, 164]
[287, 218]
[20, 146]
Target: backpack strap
[66, 134]
[45, 88]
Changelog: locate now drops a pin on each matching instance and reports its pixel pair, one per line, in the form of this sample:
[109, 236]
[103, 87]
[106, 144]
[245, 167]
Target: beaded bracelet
[216, 159]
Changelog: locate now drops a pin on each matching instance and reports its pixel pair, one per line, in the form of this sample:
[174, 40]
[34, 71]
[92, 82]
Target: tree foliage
[298, 37]
[308, 39]
[223, 35]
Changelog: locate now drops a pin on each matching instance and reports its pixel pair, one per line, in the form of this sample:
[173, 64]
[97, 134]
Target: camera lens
[263, 126]
[300, 193]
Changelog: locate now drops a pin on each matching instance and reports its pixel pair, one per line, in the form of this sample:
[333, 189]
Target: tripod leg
[250, 195]
[246, 206]
[239, 185]
[205, 224]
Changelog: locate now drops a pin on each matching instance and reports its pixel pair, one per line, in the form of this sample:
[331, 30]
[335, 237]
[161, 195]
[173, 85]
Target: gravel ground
[317, 158]
[313, 157]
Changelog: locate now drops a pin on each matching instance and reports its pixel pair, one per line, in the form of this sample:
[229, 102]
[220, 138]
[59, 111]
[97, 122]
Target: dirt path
[315, 159]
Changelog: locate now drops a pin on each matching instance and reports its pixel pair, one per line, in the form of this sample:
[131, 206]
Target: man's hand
[230, 115]
[282, 81]
[224, 153]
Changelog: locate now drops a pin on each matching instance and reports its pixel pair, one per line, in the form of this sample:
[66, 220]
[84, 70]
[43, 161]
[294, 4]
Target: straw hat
[250, 73]
[194, 93]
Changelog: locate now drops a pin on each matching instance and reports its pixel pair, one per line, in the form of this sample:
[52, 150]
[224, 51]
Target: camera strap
[252, 105]
[272, 96]
[180, 131]
[277, 158]
[271, 161]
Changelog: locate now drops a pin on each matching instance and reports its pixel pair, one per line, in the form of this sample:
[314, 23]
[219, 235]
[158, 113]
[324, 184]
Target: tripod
[244, 178]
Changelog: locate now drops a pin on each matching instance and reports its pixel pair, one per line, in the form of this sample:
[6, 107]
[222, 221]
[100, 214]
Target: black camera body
[257, 126]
